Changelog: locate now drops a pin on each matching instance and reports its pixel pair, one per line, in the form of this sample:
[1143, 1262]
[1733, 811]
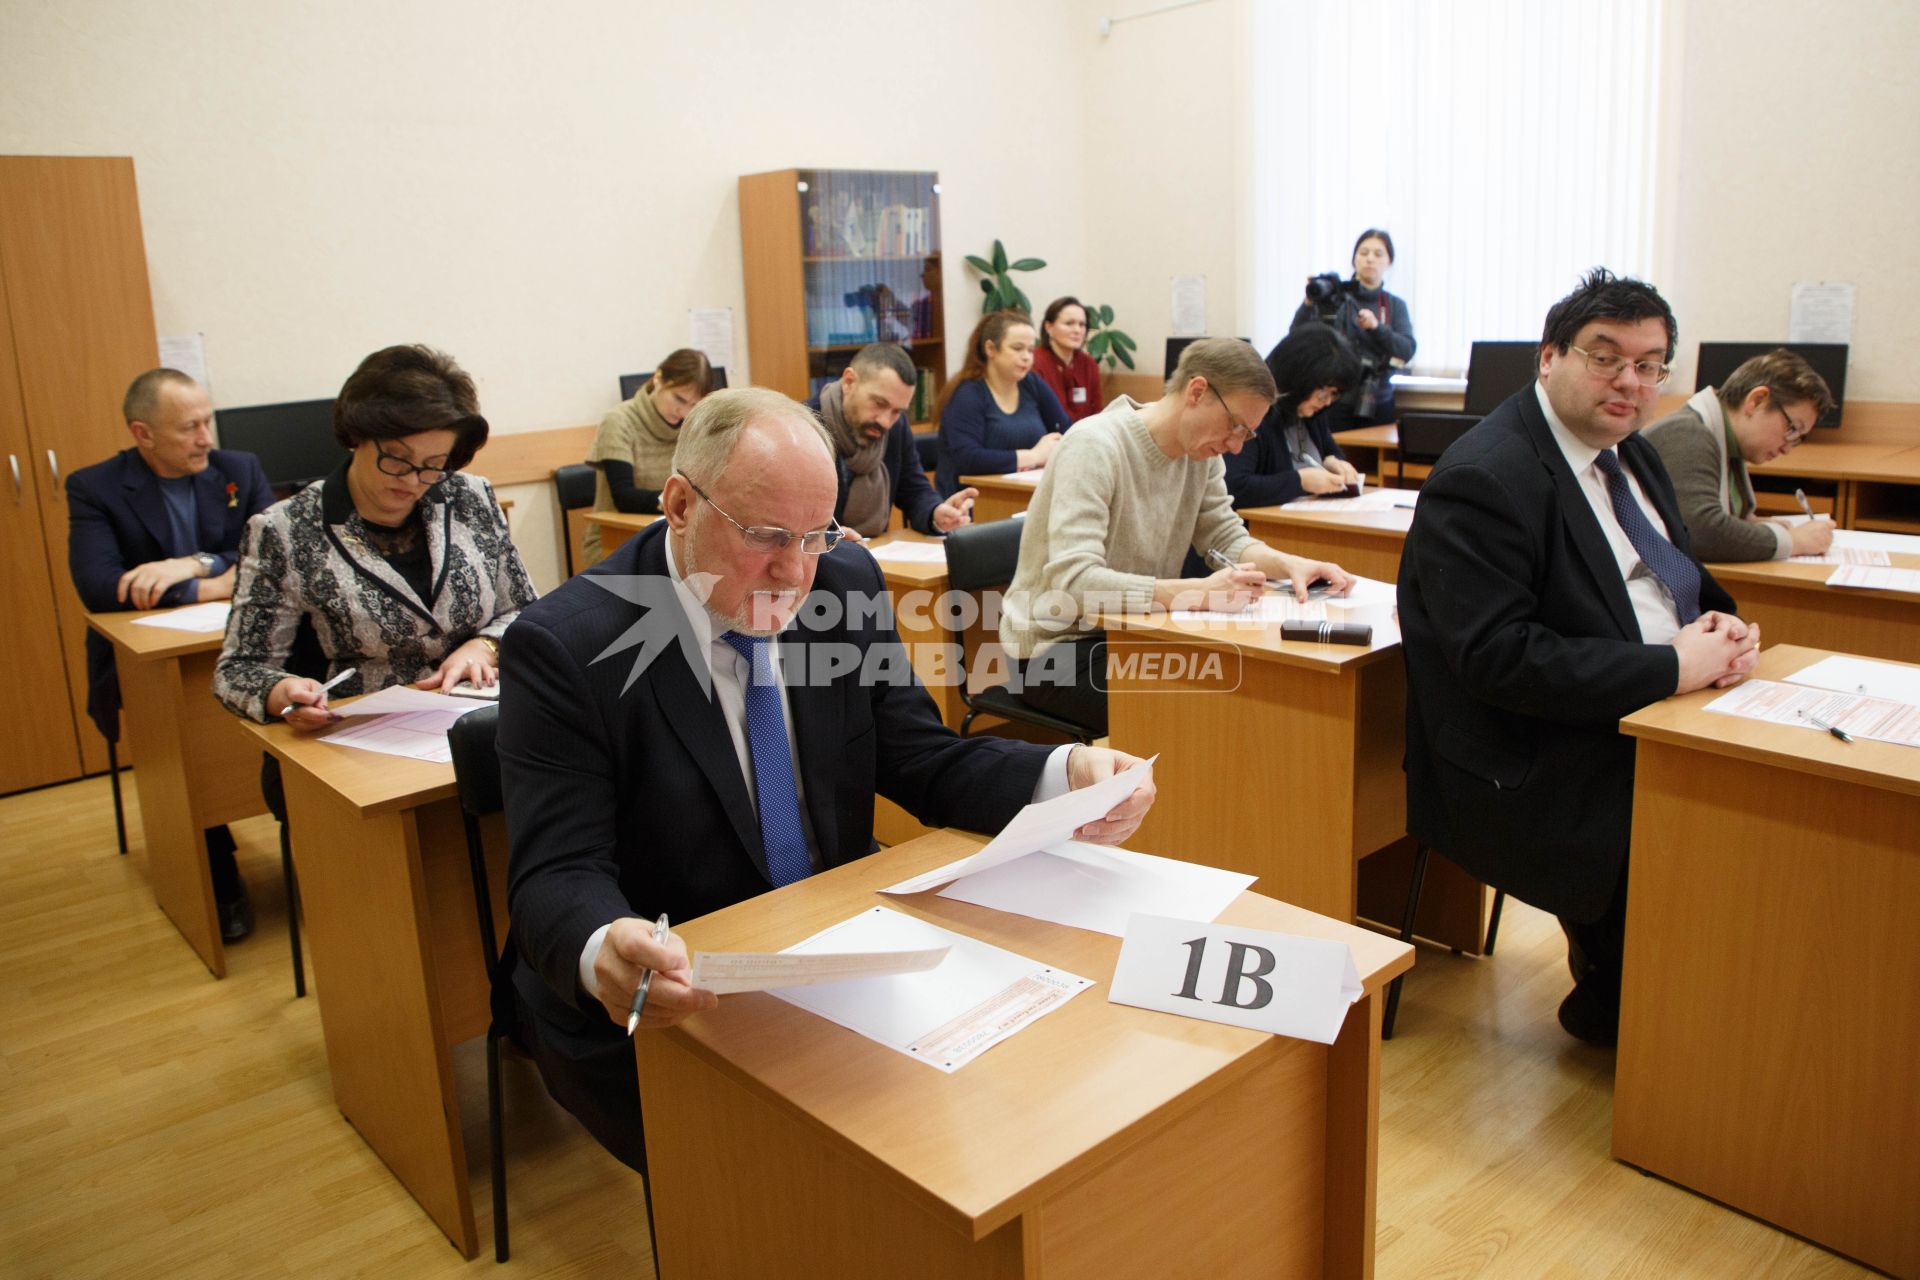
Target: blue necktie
[1678, 572]
[776, 797]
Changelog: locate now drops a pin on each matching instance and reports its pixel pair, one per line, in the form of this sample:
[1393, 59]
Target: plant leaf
[1122, 341]
[1106, 315]
[980, 264]
[1124, 357]
[1019, 298]
[1028, 264]
[986, 286]
[1097, 345]
[999, 256]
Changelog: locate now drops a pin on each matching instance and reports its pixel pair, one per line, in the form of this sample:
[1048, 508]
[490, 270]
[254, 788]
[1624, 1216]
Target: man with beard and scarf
[865, 417]
[724, 747]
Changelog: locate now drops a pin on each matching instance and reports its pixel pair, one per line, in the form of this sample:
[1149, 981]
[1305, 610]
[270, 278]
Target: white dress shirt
[1653, 606]
[730, 675]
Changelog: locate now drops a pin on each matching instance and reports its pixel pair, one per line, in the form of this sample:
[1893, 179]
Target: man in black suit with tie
[677, 734]
[160, 524]
[1547, 589]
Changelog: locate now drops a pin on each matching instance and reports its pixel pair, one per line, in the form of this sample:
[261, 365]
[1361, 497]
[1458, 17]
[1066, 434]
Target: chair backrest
[632, 382]
[1495, 370]
[476, 764]
[574, 485]
[1425, 436]
[983, 555]
[929, 446]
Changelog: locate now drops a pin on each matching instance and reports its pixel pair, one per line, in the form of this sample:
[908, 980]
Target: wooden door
[75, 268]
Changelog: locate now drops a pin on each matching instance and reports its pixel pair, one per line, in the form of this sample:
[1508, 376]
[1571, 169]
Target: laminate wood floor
[155, 1122]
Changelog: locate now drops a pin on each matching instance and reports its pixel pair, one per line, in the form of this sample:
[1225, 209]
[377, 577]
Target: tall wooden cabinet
[76, 326]
[835, 259]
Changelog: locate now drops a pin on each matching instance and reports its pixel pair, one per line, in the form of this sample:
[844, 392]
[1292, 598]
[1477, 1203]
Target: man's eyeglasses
[767, 538]
[1241, 431]
[1607, 364]
[1795, 432]
[398, 467]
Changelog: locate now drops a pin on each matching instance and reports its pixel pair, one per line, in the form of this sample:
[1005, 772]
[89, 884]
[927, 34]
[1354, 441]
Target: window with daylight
[1506, 145]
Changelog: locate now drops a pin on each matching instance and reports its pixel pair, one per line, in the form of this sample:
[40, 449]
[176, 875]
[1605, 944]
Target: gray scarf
[870, 497]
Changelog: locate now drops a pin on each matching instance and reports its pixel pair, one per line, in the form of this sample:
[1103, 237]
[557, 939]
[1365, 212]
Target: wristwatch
[206, 563]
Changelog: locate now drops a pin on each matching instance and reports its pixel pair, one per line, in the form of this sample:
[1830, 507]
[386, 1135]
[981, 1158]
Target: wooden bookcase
[835, 259]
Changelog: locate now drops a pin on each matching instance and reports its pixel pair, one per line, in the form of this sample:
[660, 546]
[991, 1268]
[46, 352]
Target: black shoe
[236, 916]
[1590, 1016]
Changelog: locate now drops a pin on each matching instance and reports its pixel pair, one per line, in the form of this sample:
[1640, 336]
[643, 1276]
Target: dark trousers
[1069, 679]
[1596, 950]
[592, 1076]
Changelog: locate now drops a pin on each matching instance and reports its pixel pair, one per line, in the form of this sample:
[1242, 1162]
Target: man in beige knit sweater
[1127, 493]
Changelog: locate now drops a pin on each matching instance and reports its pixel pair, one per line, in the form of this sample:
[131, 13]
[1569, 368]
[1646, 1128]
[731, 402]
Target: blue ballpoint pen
[640, 997]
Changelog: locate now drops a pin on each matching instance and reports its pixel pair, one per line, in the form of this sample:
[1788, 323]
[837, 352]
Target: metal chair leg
[119, 809]
[653, 1239]
[495, 1136]
[293, 911]
[1493, 921]
[1406, 935]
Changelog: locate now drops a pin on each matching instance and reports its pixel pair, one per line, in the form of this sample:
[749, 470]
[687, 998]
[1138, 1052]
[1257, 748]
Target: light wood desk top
[1813, 577]
[143, 642]
[1394, 523]
[1683, 721]
[1384, 436]
[1903, 467]
[1261, 642]
[368, 781]
[1834, 460]
[983, 1145]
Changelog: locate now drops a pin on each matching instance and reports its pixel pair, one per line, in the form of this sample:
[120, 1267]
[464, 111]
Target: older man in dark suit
[1548, 589]
[160, 524]
[677, 734]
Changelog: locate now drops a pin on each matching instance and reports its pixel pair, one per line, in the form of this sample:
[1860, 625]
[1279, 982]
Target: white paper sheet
[1377, 500]
[731, 972]
[211, 616]
[1862, 675]
[399, 721]
[1038, 826]
[1878, 718]
[1288, 985]
[399, 699]
[1845, 555]
[1859, 575]
[910, 552]
[710, 331]
[1822, 311]
[1024, 477]
[1370, 601]
[1866, 539]
[1088, 886]
[944, 1017]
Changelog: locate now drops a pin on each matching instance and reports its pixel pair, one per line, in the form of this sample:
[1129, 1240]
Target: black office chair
[573, 484]
[1420, 856]
[113, 779]
[982, 557]
[476, 774]
[929, 446]
[1425, 436]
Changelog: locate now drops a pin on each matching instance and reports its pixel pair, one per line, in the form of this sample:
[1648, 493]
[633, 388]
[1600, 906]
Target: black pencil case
[1328, 632]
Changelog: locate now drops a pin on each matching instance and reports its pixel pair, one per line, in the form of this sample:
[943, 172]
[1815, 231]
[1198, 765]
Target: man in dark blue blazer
[1547, 589]
[865, 414]
[677, 734]
[160, 524]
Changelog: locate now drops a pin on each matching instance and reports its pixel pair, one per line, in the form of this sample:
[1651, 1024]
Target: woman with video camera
[1376, 322]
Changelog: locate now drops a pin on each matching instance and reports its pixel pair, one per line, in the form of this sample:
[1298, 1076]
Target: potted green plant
[1107, 345]
[997, 280]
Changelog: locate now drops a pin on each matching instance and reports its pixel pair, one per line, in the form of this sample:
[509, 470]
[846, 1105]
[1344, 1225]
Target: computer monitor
[1176, 345]
[1496, 370]
[1718, 360]
[632, 382]
[293, 441]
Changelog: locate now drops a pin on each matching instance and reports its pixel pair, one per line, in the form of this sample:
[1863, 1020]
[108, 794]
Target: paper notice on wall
[1822, 312]
[1189, 306]
[187, 352]
[710, 330]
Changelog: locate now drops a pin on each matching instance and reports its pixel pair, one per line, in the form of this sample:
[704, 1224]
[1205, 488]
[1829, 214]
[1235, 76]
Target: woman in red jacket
[1061, 359]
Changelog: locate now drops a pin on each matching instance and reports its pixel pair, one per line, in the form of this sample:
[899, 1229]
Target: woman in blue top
[996, 414]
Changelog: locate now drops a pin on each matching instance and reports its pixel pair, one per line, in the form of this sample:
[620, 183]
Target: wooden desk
[194, 767]
[1794, 605]
[1368, 543]
[1292, 774]
[1768, 1028]
[1102, 1140]
[616, 527]
[1001, 498]
[395, 950]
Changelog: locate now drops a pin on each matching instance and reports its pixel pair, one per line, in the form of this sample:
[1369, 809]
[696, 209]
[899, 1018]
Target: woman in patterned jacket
[402, 565]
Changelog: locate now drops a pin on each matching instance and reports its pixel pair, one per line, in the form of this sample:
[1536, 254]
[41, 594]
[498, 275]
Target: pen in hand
[289, 708]
[1800, 496]
[640, 996]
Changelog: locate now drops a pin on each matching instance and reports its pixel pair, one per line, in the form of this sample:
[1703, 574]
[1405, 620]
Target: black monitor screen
[294, 441]
[1176, 345]
[632, 382]
[1718, 360]
[1496, 370]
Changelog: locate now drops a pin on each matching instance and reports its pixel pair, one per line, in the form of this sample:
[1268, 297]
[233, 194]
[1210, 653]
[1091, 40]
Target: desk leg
[370, 928]
[154, 715]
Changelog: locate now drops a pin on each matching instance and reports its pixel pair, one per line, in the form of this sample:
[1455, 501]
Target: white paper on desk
[1881, 719]
[1844, 555]
[944, 1017]
[1863, 539]
[1038, 826]
[1857, 575]
[211, 616]
[399, 721]
[910, 552]
[730, 972]
[1378, 500]
[398, 699]
[1862, 675]
[1093, 887]
[1370, 601]
[1280, 982]
[1024, 477]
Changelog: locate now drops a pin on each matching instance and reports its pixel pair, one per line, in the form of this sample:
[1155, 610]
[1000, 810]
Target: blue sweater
[977, 439]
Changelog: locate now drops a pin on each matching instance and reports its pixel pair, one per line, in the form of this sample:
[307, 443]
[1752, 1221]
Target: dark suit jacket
[632, 803]
[1522, 655]
[1262, 474]
[117, 519]
[912, 491]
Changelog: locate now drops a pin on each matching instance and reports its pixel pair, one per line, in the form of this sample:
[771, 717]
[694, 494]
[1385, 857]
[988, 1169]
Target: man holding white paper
[681, 734]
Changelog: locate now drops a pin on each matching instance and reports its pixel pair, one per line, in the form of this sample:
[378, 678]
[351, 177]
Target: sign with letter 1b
[1254, 978]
